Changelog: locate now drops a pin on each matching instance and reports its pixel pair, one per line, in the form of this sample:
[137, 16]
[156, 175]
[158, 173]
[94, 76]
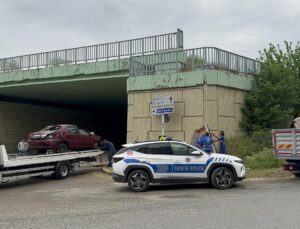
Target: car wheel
[63, 147]
[222, 178]
[62, 170]
[138, 181]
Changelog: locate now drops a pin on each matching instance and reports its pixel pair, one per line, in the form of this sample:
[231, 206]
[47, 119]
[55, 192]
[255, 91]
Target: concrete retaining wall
[217, 106]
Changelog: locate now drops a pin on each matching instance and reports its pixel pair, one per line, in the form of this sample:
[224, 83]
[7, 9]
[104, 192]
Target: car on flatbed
[62, 138]
[140, 164]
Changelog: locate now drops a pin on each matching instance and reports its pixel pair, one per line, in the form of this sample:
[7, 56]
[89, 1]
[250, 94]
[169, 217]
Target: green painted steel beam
[189, 79]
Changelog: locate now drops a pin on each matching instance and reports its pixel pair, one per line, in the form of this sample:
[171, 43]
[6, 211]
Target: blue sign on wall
[164, 110]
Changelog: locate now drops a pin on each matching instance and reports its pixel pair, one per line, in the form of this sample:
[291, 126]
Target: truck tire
[62, 170]
[138, 181]
[222, 178]
[62, 148]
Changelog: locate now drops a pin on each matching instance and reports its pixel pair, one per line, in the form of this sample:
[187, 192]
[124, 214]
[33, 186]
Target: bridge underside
[109, 93]
[98, 104]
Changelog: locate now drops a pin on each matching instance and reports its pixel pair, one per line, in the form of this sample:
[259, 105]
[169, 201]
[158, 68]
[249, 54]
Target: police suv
[140, 164]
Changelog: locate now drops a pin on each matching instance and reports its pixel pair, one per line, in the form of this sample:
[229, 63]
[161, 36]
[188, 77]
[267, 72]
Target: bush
[262, 160]
[240, 146]
[243, 146]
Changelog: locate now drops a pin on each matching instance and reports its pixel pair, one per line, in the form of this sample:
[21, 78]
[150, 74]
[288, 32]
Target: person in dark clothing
[109, 148]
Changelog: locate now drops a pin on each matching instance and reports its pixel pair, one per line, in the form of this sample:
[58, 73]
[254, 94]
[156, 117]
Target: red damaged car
[63, 138]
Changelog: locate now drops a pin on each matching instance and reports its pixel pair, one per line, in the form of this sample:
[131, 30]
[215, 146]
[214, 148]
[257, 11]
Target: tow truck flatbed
[58, 164]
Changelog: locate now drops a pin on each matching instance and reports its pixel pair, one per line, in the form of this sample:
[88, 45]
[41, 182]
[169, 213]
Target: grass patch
[256, 151]
[263, 160]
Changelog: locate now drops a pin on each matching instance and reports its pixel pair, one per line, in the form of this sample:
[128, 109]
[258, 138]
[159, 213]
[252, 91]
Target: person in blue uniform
[221, 139]
[205, 143]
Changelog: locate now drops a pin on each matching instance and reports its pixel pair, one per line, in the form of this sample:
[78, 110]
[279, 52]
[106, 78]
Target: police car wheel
[138, 181]
[222, 178]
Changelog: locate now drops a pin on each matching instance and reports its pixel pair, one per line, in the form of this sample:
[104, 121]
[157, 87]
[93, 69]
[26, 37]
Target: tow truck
[57, 164]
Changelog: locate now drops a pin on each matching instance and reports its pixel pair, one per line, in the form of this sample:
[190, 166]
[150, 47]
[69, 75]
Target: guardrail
[192, 59]
[101, 52]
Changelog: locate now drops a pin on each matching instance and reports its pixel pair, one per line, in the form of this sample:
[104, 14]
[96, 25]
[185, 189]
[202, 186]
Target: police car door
[157, 156]
[187, 165]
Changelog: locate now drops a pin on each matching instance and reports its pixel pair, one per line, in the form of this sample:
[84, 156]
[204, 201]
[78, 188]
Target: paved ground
[91, 200]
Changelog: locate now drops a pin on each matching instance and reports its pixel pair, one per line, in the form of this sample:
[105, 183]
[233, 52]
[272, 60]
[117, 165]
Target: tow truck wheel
[63, 147]
[62, 170]
[222, 178]
[138, 181]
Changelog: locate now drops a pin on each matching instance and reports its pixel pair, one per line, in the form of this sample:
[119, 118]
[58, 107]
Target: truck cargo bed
[286, 143]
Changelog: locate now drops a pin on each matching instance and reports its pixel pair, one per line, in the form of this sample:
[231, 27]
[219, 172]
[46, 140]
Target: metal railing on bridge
[93, 53]
[193, 59]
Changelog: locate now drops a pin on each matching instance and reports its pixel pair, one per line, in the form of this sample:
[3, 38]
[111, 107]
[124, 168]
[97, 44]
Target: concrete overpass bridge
[85, 85]
[97, 86]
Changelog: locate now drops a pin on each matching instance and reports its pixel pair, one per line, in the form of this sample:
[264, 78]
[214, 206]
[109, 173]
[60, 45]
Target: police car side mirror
[197, 153]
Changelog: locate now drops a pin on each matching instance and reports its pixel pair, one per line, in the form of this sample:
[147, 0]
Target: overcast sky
[243, 27]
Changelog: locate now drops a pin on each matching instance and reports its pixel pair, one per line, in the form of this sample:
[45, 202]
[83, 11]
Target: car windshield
[52, 127]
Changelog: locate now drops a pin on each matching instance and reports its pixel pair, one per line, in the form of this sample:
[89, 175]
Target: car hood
[41, 134]
[221, 156]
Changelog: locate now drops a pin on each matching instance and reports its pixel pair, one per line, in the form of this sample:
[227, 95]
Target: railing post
[193, 59]
[85, 53]
[96, 52]
[75, 55]
[177, 64]
[143, 46]
[218, 57]
[107, 53]
[28, 62]
[119, 55]
[66, 57]
[47, 59]
[179, 39]
[37, 61]
[205, 56]
[56, 58]
[130, 48]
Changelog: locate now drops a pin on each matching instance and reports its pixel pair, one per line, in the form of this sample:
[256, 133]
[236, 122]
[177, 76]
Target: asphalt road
[91, 200]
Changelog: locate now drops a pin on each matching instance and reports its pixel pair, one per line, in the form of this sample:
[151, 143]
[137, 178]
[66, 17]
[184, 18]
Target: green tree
[275, 96]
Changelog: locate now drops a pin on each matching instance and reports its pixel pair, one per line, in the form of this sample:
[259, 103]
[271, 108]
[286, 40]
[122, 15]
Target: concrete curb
[107, 170]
